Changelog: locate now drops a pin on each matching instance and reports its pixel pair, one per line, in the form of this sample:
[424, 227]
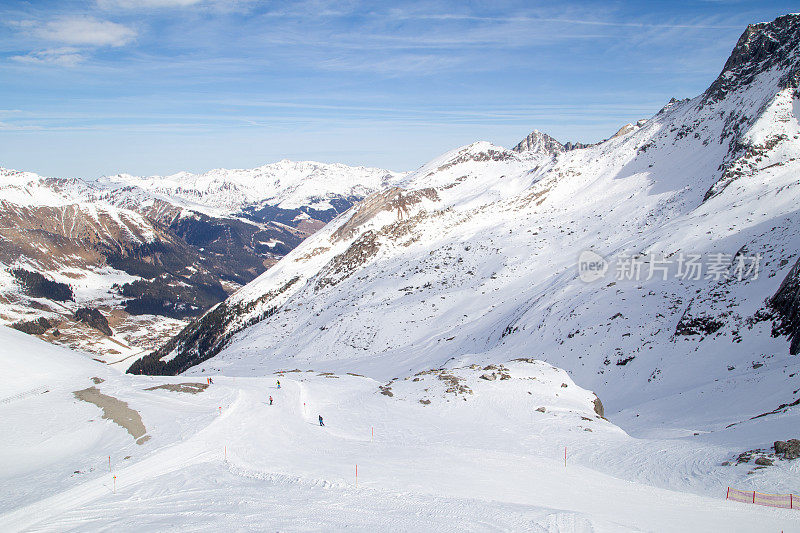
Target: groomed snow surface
[480, 457]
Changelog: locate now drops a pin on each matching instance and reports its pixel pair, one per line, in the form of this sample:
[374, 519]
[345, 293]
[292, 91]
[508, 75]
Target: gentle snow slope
[475, 461]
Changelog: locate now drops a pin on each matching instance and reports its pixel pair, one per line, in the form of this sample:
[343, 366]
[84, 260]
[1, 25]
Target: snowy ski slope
[491, 462]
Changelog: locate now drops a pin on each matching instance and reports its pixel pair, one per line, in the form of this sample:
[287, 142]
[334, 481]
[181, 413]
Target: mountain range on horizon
[149, 253]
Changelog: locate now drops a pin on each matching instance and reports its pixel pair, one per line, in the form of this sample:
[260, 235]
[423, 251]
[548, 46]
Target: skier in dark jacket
[320, 421]
[279, 384]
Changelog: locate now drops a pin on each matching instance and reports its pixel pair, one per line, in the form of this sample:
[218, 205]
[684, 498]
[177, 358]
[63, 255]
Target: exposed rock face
[702, 325]
[787, 303]
[568, 146]
[628, 128]
[95, 319]
[761, 47]
[539, 142]
[542, 143]
[788, 449]
[598, 407]
[394, 200]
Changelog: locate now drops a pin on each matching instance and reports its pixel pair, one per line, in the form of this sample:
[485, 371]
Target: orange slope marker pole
[115, 484]
[109, 463]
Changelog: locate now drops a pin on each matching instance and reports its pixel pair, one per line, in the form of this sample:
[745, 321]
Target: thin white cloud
[63, 57]
[87, 31]
[144, 4]
[571, 21]
[394, 66]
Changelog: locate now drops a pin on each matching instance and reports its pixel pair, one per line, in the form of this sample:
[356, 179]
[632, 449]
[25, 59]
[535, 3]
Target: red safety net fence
[786, 501]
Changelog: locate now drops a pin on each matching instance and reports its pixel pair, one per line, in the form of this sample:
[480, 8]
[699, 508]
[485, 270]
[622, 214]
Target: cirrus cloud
[139, 4]
[86, 31]
[63, 57]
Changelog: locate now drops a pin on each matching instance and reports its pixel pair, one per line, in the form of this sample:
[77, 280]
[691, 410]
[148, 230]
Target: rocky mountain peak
[542, 143]
[762, 47]
[539, 142]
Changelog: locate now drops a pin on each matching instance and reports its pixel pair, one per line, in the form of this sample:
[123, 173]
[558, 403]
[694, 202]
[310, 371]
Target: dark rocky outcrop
[787, 449]
[761, 47]
[94, 318]
[701, 325]
[33, 327]
[786, 302]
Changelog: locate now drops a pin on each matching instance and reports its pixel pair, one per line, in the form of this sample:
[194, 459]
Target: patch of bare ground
[453, 383]
[191, 388]
[117, 411]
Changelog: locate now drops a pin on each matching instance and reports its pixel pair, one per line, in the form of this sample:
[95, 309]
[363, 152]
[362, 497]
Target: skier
[270, 400]
[210, 381]
[320, 421]
[279, 384]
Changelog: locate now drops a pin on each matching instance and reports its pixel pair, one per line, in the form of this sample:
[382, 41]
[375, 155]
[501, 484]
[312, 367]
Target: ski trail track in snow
[279, 451]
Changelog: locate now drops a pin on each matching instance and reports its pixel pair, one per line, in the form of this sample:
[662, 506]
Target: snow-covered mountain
[685, 227]
[148, 253]
[285, 185]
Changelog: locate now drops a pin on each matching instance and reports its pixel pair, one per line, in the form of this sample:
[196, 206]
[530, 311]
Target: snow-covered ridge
[285, 184]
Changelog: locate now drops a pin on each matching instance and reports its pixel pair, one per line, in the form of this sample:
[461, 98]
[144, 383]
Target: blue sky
[156, 86]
